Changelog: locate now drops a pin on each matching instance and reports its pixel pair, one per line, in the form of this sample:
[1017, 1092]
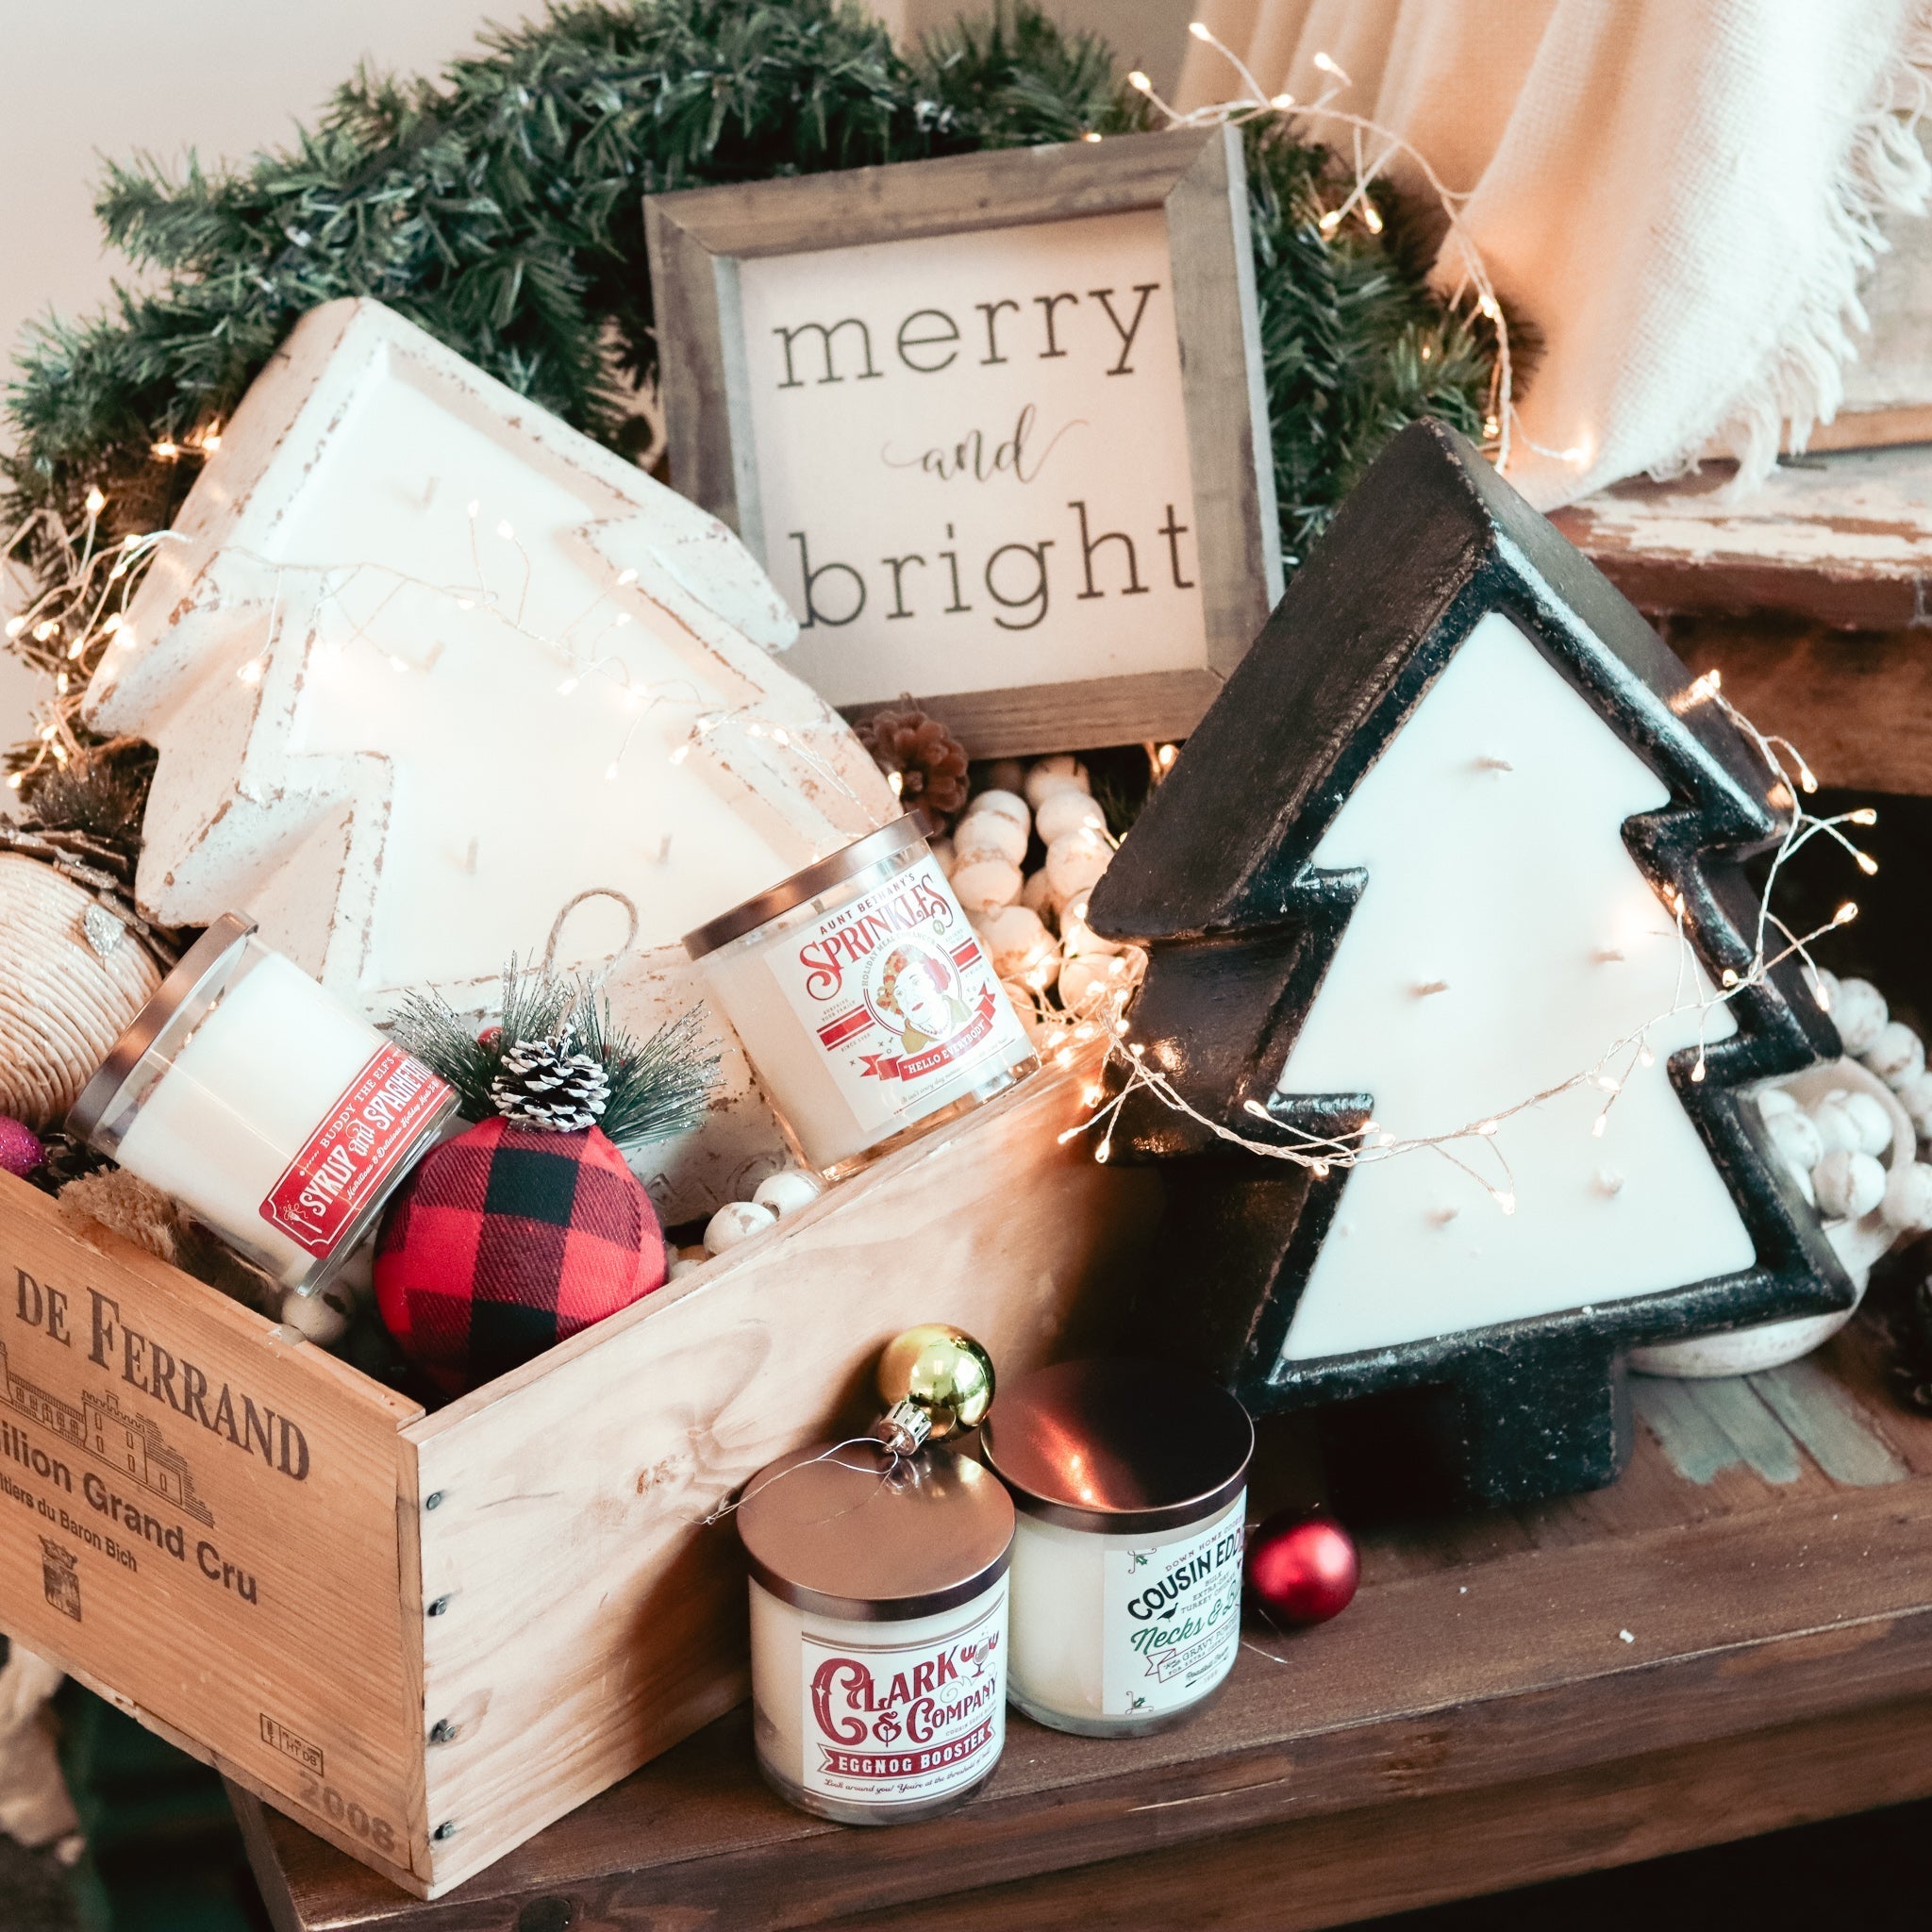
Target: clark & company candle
[865, 1000]
[247, 1093]
[878, 1629]
[1130, 1479]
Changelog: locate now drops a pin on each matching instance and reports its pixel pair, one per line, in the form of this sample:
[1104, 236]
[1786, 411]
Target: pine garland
[656, 1087]
[501, 211]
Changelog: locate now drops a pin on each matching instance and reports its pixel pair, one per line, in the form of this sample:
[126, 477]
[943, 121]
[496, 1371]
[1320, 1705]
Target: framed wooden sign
[994, 424]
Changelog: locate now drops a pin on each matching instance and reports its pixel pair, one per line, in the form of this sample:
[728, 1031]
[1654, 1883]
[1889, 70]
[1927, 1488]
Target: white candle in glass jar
[271, 1113]
[1130, 1480]
[878, 1629]
[864, 999]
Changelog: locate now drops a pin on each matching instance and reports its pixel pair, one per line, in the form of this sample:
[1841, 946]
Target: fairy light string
[1373, 147]
[1477, 1143]
[79, 618]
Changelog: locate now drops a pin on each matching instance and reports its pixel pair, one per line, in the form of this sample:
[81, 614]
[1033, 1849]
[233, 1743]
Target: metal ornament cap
[873, 1536]
[1118, 1446]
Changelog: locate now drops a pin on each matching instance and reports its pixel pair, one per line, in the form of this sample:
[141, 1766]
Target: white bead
[683, 1266]
[1076, 860]
[1006, 774]
[1848, 1186]
[1858, 1009]
[1837, 1132]
[1087, 981]
[1061, 812]
[320, 1318]
[1798, 1141]
[980, 884]
[1036, 893]
[1018, 941]
[1907, 1203]
[946, 854]
[1058, 774]
[1078, 939]
[989, 835]
[1872, 1122]
[1803, 1182]
[1003, 804]
[1897, 1054]
[736, 1220]
[1915, 1096]
[788, 1190]
[1773, 1101]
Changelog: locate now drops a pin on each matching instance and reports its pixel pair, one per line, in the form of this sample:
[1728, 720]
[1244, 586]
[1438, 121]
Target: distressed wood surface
[1845, 539]
[1736, 1637]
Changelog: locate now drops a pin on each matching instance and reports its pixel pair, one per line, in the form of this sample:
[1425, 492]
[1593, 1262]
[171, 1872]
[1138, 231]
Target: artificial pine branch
[657, 1086]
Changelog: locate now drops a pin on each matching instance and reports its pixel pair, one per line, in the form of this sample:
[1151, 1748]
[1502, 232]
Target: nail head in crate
[247, 1093]
[864, 999]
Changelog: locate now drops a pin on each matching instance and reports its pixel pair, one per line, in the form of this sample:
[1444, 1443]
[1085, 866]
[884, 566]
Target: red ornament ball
[1301, 1566]
[507, 1240]
[20, 1147]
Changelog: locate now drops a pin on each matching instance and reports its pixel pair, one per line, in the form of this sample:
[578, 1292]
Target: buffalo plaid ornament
[507, 1240]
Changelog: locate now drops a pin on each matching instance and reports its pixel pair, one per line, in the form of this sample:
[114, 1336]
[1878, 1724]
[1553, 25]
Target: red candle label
[891, 1724]
[359, 1145]
[1172, 1620]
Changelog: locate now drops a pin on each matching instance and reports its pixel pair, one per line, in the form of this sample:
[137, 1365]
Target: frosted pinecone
[541, 1083]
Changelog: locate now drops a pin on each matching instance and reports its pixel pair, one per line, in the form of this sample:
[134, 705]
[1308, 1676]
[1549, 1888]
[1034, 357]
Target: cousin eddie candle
[1130, 1480]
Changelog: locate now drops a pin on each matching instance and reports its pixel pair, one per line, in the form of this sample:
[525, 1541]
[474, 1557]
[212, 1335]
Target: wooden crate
[426, 1637]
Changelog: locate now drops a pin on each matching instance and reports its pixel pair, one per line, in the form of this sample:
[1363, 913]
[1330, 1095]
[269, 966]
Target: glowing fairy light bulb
[96, 503]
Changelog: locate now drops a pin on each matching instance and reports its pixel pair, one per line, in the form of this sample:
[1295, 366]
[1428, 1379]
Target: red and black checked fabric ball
[507, 1240]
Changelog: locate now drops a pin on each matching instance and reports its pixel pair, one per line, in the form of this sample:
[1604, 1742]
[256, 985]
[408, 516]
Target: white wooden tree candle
[426, 667]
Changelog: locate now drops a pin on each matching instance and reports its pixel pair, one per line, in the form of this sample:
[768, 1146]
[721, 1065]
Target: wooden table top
[1738, 1636]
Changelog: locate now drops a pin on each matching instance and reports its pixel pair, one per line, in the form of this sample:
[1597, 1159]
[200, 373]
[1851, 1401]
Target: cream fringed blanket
[1680, 195]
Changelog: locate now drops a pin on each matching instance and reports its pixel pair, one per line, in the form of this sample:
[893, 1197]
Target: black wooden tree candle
[1445, 895]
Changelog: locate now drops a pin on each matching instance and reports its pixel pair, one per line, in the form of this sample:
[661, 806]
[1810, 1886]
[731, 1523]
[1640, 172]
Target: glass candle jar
[878, 1629]
[864, 1000]
[1130, 1478]
[245, 1092]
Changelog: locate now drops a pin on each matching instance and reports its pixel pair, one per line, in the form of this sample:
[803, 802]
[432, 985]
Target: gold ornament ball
[944, 1371]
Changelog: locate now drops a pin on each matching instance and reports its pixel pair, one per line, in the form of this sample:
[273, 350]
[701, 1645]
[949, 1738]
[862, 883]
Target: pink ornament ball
[1301, 1566]
[20, 1147]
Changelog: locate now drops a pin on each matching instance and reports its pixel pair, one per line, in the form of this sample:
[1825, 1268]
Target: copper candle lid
[821, 876]
[1123, 1447]
[868, 1537]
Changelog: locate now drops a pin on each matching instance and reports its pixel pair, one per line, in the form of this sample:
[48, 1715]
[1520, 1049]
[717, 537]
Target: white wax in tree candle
[1504, 941]
[1116, 1633]
[250, 1090]
[859, 1715]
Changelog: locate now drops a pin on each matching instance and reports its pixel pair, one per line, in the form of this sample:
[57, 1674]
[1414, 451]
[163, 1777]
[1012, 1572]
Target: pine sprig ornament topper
[556, 1061]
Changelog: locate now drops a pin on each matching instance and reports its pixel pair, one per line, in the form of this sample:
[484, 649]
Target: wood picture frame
[1099, 673]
